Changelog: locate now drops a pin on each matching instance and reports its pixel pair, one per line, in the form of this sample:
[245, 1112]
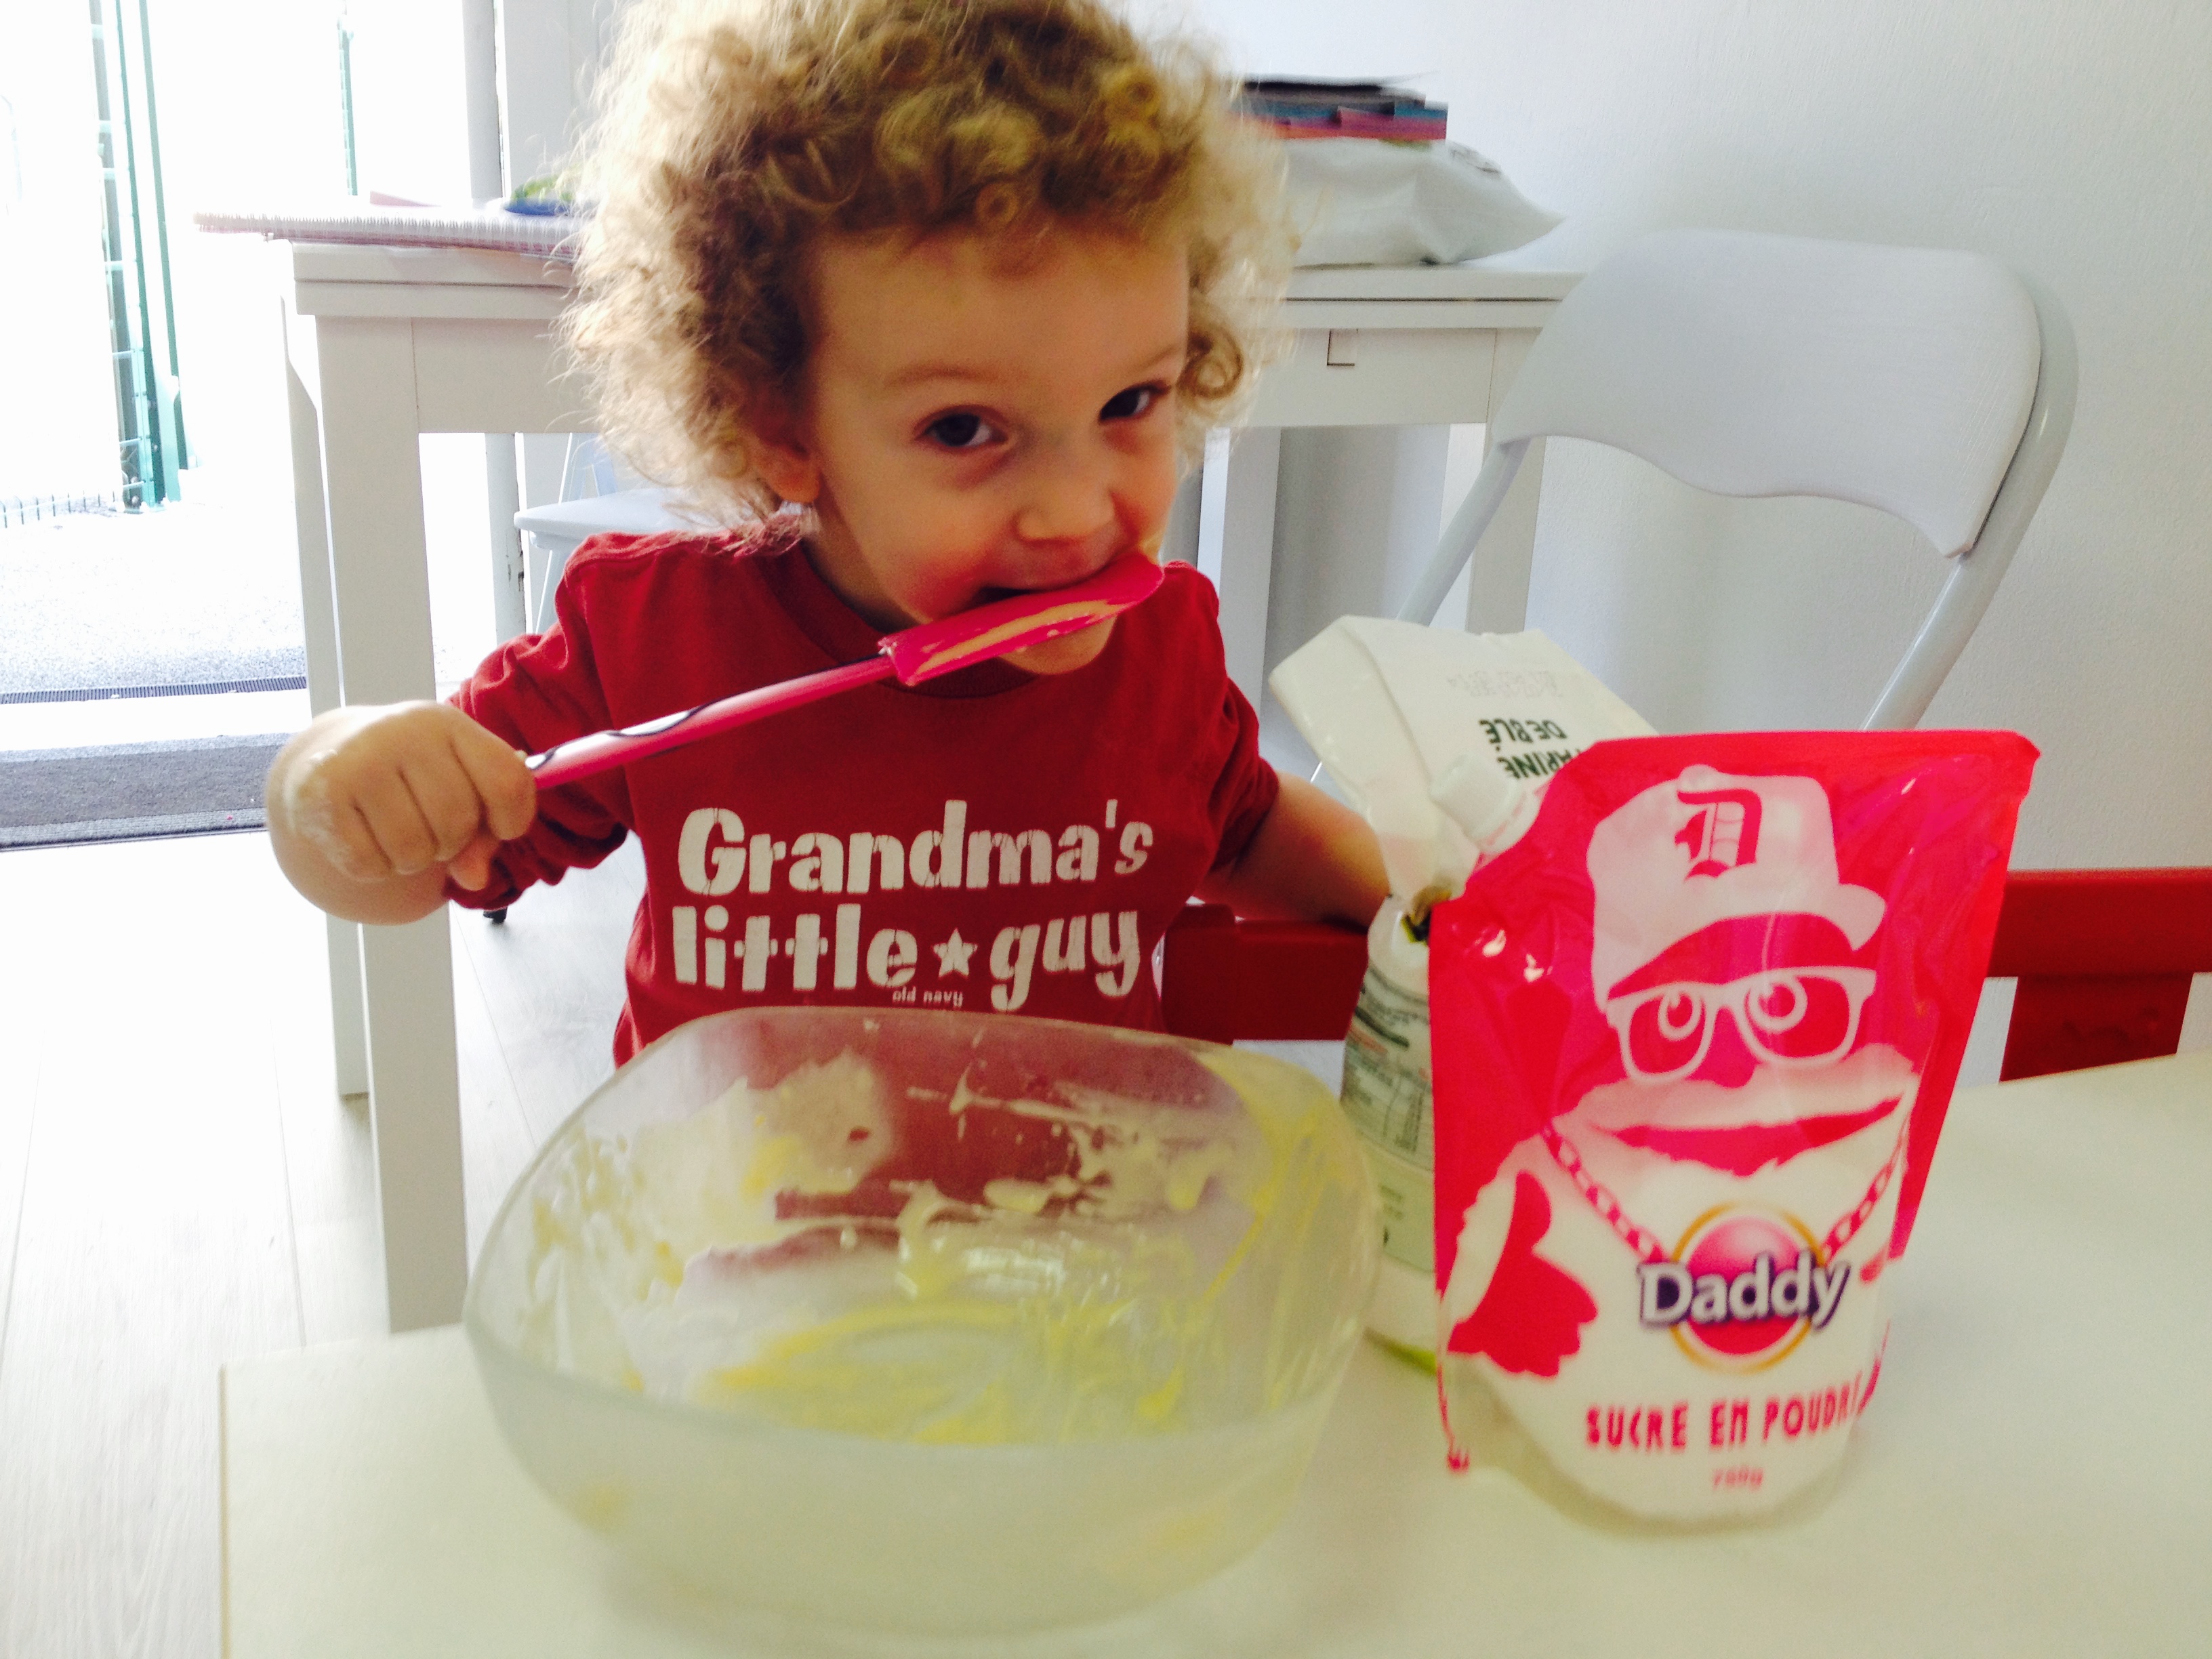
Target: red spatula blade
[928, 649]
[914, 654]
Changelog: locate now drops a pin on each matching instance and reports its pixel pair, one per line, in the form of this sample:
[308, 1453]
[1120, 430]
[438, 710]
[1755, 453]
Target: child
[930, 296]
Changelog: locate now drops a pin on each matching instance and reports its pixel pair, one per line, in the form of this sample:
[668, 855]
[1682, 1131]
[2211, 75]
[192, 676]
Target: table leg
[319, 619]
[415, 1108]
[349, 1022]
[1497, 583]
[510, 600]
[1246, 491]
[373, 485]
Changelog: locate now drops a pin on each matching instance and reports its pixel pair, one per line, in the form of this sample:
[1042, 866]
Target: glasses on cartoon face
[1785, 1016]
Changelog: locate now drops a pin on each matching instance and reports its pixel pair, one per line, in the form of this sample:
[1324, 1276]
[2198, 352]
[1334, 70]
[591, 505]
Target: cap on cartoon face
[1714, 893]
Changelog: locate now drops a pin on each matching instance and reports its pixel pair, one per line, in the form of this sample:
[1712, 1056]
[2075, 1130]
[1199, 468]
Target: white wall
[549, 52]
[2065, 136]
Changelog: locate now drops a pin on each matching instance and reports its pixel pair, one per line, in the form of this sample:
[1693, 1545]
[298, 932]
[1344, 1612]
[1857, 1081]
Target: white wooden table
[2034, 1476]
[388, 343]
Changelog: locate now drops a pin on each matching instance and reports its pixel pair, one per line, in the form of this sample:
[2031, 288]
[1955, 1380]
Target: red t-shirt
[990, 840]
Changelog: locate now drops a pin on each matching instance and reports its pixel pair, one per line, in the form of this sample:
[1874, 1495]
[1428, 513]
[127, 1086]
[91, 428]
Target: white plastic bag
[1443, 740]
[1365, 202]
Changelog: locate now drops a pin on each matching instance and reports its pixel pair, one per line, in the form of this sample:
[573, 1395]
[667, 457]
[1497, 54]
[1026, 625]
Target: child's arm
[370, 808]
[1311, 858]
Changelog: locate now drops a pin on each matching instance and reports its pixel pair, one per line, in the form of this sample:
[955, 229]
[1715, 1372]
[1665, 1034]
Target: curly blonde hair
[731, 134]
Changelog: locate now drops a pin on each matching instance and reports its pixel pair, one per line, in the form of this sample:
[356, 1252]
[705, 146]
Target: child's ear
[781, 453]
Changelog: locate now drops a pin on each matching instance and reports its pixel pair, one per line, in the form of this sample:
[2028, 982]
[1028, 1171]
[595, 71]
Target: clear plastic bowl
[929, 1322]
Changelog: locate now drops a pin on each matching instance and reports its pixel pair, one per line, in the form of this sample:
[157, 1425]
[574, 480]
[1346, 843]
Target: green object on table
[548, 195]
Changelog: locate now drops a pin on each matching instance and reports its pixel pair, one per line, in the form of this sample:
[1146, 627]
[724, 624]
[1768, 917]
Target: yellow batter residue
[794, 1255]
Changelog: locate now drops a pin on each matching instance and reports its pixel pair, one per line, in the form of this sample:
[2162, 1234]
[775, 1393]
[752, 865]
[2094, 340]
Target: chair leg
[2065, 1024]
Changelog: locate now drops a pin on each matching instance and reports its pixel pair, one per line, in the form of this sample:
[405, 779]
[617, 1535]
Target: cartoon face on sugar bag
[1666, 1243]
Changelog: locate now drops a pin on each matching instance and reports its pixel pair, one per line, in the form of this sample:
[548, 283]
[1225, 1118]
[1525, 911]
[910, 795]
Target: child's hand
[372, 808]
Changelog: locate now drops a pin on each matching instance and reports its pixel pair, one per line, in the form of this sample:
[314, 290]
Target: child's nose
[1069, 499]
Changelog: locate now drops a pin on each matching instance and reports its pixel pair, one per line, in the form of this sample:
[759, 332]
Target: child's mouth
[983, 596]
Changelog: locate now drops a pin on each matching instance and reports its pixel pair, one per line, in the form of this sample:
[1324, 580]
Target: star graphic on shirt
[952, 956]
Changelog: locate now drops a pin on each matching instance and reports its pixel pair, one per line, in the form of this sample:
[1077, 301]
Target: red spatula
[912, 655]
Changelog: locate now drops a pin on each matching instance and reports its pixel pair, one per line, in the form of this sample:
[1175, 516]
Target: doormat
[133, 792]
[196, 688]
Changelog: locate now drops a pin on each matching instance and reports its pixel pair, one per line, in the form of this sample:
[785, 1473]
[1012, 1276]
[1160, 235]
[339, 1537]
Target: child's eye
[962, 431]
[1129, 405]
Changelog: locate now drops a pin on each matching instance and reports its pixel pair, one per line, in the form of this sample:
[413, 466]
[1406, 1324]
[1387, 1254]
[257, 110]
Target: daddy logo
[1746, 1285]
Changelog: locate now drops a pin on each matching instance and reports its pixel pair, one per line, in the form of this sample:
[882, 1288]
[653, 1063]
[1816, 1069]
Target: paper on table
[548, 234]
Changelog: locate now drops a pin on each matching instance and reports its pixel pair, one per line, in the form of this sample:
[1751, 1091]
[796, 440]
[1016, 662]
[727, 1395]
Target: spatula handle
[581, 757]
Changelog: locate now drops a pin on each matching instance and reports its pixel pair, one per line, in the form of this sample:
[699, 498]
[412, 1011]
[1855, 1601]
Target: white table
[2034, 1476]
[388, 343]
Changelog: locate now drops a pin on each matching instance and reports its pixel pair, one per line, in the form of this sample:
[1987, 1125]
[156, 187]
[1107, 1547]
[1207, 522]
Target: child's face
[985, 415]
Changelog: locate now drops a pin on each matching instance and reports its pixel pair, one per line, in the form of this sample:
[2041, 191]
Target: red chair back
[1268, 982]
[2104, 958]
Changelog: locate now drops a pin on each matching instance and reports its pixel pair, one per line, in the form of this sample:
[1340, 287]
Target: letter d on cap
[1666, 1286]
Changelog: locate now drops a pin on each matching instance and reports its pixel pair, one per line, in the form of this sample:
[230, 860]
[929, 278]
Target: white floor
[180, 1186]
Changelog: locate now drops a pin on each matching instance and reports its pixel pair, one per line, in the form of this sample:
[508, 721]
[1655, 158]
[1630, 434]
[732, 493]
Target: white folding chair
[557, 529]
[1936, 385]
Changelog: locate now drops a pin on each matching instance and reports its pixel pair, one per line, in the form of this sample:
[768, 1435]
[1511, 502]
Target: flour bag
[1442, 741]
[1694, 1033]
